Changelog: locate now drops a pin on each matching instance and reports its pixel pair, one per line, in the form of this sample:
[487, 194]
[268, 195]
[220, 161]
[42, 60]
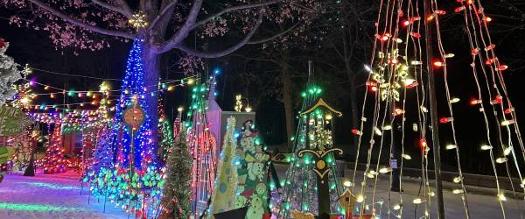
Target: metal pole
[433, 113]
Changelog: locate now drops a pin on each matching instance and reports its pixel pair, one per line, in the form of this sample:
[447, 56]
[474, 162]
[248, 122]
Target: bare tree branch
[169, 7]
[282, 33]
[125, 6]
[183, 32]
[118, 9]
[226, 51]
[80, 23]
[234, 8]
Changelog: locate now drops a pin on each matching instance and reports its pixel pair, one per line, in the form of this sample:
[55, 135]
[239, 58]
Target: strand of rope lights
[477, 30]
[443, 56]
[390, 104]
[166, 85]
[503, 115]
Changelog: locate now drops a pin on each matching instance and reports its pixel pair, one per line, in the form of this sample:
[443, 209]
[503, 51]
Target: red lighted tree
[54, 161]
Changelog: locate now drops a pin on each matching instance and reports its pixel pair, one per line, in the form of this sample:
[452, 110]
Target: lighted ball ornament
[134, 117]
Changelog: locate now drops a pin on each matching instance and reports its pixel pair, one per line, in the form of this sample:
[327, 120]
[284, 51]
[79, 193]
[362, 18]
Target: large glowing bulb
[397, 207]
[501, 160]
[507, 151]
[368, 69]
[378, 131]
[502, 197]
[385, 170]
[454, 100]
[417, 201]
[486, 147]
[360, 198]
[451, 146]
[457, 191]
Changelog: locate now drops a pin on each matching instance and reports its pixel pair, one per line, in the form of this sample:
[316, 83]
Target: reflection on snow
[36, 207]
[51, 185]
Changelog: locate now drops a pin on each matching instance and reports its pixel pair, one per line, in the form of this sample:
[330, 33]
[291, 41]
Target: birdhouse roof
[322, 103]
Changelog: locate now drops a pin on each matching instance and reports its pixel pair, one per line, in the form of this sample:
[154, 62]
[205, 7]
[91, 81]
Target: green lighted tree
[176, 195]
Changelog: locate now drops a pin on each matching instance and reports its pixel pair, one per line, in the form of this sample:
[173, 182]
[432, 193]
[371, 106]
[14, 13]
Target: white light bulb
[507, 151]
[385, 170]
[378, 131]
[486, 147]
[457, 191]
[451, 146]
[501, 160]
[397, 207]
[368, 69]
[454, 100]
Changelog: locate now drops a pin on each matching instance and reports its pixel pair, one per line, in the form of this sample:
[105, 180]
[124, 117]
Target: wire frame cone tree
[408, 51]
[310, 185]
[203, 149]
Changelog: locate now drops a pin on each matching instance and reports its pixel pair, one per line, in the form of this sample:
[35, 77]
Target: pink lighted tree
[165, 25]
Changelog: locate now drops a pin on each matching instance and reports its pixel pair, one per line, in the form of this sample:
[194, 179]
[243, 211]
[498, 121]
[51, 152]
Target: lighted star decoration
[390, 89]
[138, 20]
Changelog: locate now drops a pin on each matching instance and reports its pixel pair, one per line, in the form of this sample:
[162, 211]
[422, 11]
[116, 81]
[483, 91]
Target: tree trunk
[152, 69]
[287, 98]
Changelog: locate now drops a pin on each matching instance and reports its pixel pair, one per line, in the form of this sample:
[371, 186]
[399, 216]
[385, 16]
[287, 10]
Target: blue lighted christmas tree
[132, 179]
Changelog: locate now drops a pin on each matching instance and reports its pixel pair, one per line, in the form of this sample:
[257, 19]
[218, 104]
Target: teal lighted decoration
[310, 185]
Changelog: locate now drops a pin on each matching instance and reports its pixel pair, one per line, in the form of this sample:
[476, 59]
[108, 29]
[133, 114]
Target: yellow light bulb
[502, 197]
[360, 198]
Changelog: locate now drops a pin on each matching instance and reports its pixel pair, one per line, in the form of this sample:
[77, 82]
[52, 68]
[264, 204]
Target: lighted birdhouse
[302, 215]
[347, 201]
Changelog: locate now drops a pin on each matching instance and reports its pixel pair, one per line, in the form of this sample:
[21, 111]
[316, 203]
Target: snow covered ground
[55, 196]
[480, 206]
[60, 196]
